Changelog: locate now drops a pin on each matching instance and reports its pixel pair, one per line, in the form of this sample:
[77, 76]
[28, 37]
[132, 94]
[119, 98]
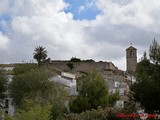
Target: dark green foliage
[24, 68]
[35, 111]
[144, 56]
[93, 92]
[130, 106]
[113, 97]
[58, 111]
[70, 65]
[147, 88]
[74, 59]
[32, 89]
[89, 60]
[154, 52]
[80, 104]
[3, 86]
[95, 114]
[35, 95]
[40, 54]
[30, 81]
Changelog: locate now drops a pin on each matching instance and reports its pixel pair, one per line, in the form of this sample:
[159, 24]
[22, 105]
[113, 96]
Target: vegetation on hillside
[31, 89]
[75, 59]
[35, 96]
[93, 92]
[3, 86]
[146, 90]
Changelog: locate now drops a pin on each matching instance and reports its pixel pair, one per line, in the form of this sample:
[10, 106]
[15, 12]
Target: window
[131, 53]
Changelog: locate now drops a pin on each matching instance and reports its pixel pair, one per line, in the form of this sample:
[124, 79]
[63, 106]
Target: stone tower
[131, 59]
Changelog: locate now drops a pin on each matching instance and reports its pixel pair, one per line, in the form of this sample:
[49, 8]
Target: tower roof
[131, 48]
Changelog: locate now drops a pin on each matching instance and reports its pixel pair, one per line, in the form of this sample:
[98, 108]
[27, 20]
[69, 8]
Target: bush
[99, 114]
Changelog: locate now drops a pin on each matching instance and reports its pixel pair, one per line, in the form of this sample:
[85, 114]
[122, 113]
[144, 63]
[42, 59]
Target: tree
[154, 52]
[3, 86]
[34, 111]
[144, 56]
[95, 114]
[93, 92]
[146, 89]
[74, 59]
[70, 65]
[24, 68]
[33, 83]
[58, 110]
[113, 97]
[40, 54]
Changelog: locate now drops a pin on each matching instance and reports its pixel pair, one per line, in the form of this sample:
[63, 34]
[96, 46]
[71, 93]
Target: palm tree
[40, 54]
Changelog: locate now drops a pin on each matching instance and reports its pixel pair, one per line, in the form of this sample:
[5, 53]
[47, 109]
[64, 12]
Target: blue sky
[5, 18]
[83, 9]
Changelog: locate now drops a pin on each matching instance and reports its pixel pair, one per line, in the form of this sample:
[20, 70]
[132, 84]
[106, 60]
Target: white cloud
[37, 7]
[142, 14]
[43, 22]
[3, 41]
[56, 30]
[4, 6]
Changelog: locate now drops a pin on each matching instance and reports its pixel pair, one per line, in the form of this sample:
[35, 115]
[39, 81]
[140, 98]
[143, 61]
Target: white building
[122, 87]
[68, 81]
[6, 104]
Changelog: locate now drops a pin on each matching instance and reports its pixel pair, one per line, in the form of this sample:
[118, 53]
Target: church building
[131, 59]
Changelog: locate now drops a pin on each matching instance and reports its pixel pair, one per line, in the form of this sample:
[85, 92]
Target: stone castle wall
[83, 66]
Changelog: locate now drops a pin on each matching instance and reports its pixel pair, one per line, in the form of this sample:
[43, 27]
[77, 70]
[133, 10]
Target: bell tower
[131, 59]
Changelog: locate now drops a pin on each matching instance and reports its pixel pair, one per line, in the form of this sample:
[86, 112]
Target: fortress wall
[107, 69]
[82, 66]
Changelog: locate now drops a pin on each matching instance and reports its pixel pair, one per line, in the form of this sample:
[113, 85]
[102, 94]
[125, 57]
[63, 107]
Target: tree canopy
[154, 52]
[146, 90]
[74, 59]
[3, 86]
[40, 54]
[34, 112]
[93, 92]
[32, 83]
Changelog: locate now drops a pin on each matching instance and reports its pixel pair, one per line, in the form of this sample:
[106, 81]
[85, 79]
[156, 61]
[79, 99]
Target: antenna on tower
[131, 44]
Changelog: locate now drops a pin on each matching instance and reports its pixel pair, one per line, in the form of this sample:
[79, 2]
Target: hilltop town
[75, 88]
[69, 71]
